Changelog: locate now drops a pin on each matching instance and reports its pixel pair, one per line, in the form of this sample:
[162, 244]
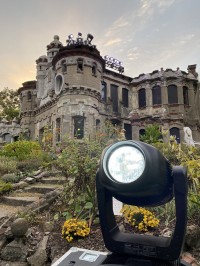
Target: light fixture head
[129, 171]
[126, 164]
[70, 36]
[90, 38]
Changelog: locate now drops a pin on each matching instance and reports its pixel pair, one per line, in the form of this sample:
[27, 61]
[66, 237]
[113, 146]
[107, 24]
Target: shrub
[152, 134]
[7, 165]
[10, 178]
[22, 150]
[5, 187]
[79, 161]
[74, 228]
[139, 218]
[29, 165]
[193, 205]
[182, 154]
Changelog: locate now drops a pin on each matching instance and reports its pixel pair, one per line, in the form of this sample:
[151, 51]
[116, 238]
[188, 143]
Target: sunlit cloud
[118, 25]
[113, 42]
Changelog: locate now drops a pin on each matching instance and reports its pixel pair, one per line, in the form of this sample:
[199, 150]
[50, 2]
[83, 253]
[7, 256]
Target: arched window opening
[79, 127]
[185, 95]
[156, 95]
[142, 132]
[174, 131]
[125, 97]
[142, 98]
[58, 130]
[172, 94]
[104, 91]
[80, 65]
[59, 81]
[29, 95]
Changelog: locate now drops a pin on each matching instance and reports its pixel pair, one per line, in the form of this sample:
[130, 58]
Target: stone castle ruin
[76, 90]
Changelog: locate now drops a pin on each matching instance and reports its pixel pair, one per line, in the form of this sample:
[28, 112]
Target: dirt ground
[57, 246]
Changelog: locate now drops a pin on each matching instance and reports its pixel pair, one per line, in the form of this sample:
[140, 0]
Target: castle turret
[41, 62]
[53, 48]
[27, 105]
[78, 64]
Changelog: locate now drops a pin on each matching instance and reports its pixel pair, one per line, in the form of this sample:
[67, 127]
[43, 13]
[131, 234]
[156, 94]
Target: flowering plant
[139, 218]
[74, 228]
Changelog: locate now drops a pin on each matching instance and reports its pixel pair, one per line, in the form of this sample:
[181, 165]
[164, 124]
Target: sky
[144, 34]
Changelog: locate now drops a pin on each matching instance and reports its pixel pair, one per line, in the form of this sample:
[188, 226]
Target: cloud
[133, 53]
[113, 41]
[117, 26]
[186, 39]
[149, 7]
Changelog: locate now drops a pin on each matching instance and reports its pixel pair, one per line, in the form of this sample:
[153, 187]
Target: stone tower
[27, 105]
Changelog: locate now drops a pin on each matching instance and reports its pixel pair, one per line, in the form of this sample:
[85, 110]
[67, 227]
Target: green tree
[9, 104]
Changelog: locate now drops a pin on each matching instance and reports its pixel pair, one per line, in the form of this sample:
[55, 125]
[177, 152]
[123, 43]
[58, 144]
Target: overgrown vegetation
[5, 187]
[79, 159]
[7, 165]
[180, 154]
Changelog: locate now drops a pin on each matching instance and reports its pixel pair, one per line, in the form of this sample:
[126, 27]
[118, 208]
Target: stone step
[54, 180]
[19, 201]
[8, 211]
[22, 193]
[42, 188]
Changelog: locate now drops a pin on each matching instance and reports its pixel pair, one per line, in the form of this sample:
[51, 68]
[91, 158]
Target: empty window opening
[114, 97]
[174, 131]
[142, 132]
[125, 97]
[98, 124]
[185, 96]
[103, 91]
[128, 131]
[94, 70]
[142, 98]
[79, 127]
[80, 65]
[172, 94]
[58, 130]
[156, 95]
[29, 95]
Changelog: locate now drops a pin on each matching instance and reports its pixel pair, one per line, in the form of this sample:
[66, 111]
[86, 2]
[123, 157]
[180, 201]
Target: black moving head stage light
[136, 173]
